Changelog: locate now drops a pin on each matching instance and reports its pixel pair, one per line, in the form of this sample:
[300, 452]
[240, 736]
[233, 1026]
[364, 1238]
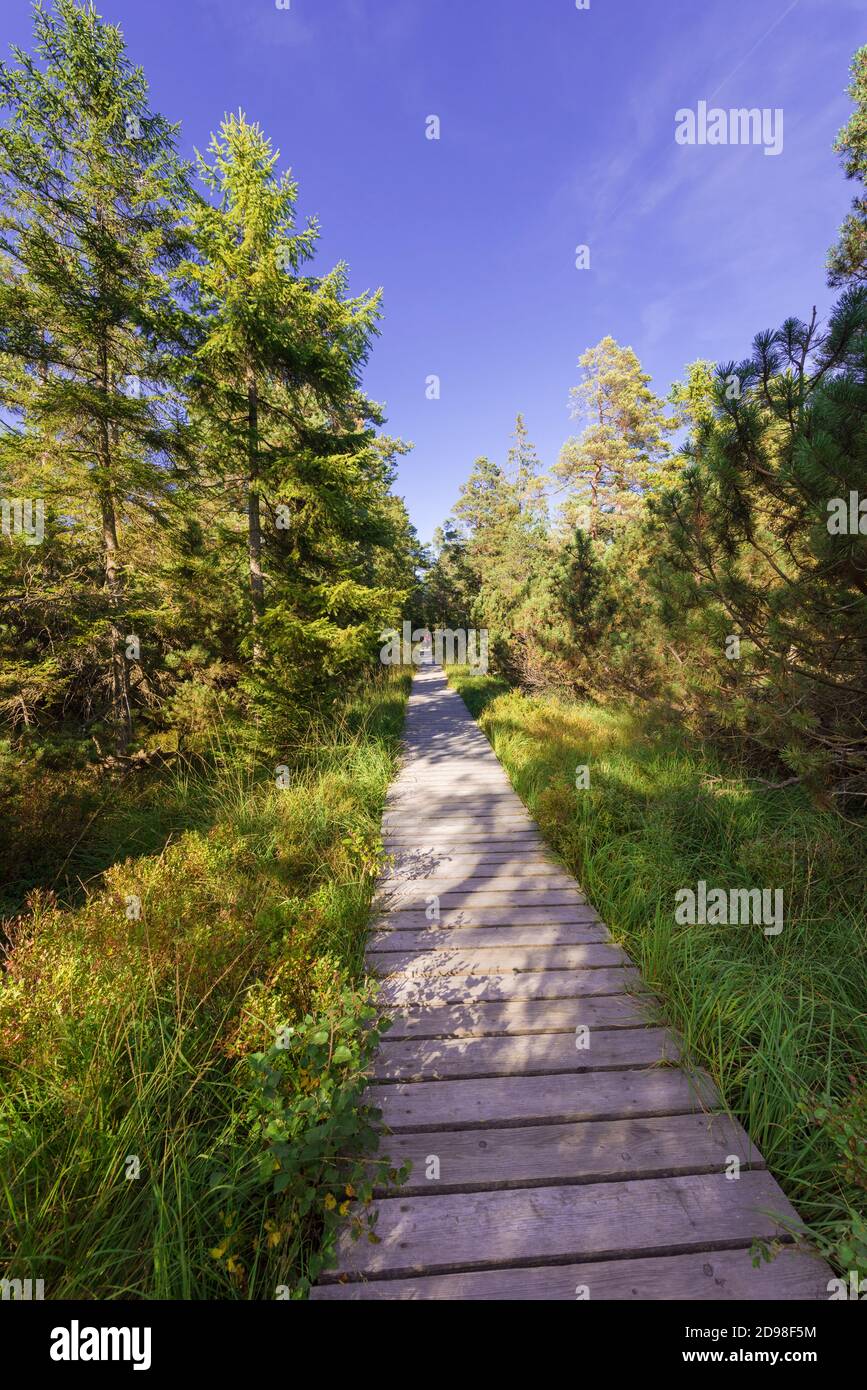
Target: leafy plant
[318, 1130]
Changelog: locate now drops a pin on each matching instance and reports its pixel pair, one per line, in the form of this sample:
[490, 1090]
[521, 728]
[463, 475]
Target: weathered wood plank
[558, 1155]
[473, 833]
[453, 816]
[398, 891]
[461, 805]
[519, 1100]
[534, 1054]
[436, 938]
[599, 1220]
[495, 845]
[504, 916]
[483, 1018]
[411, 865]
[702, 1276]
[549, 984]
[407, 900]
[482, 960]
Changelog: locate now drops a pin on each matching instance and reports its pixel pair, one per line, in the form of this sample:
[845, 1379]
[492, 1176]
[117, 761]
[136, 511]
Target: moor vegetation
[201, 551]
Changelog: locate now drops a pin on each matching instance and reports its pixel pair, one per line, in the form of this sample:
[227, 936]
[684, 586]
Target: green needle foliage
[200, 547]
[90, 192]
[847, 261]
[749, 549]
[287, 430]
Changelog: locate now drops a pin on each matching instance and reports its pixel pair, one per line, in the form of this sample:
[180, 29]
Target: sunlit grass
[126, 1037]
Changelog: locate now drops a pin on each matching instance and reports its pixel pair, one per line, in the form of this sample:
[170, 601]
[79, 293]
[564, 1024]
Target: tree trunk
[254, 518]
[594, 503]
[121, 710]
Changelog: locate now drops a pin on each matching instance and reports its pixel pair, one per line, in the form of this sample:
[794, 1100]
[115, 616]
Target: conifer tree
[610, 466]
[847, 261]
[285, 423]
[90, 186]
[505, 515]
[751, 549]
[524, 471]
[450, 583]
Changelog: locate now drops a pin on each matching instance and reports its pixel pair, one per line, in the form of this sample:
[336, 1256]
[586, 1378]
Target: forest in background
[678, 617]
[201, 549]
[707, 552]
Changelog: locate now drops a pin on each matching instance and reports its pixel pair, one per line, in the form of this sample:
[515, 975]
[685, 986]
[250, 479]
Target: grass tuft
[183, 1050]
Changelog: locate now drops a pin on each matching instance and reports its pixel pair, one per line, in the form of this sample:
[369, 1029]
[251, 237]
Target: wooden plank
[397, 891]
[434, 938]
[473, 784]
[505, 916]
[411, 866]
[558, 1155]
[456, 818]
[482, 960]
[556, 1161]
[486, 1019]
[455, 800]
[406, 828]
[477, 854]
[594, 1221]
[505, 813]
[433, 834]
[534, 1054]
[547, 984]
[701, 1276]
[518, 1100]
[404, 900]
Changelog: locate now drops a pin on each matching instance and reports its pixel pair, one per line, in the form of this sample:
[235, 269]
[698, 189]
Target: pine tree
[90, 186]
[610, 466]
[847, 261]
[524, 472]
[505, 515]
[750, 550]
[450, 583]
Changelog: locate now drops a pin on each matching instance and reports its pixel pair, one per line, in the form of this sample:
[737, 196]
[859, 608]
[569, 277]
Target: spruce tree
[90, 185]
[507, 548]
[285, 425]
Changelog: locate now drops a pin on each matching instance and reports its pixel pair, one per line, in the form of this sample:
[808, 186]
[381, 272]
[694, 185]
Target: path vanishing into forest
[560, 1148]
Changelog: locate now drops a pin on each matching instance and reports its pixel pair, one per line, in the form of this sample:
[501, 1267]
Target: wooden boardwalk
[541, 1168]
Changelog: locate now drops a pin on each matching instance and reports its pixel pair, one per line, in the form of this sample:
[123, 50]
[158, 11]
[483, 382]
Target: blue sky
[557, 128]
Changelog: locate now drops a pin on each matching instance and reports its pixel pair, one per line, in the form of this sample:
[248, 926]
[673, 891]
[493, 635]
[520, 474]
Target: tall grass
[779, 1022]
[146, 1102]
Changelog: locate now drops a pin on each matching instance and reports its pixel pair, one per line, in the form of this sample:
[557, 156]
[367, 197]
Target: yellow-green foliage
[125, 1031]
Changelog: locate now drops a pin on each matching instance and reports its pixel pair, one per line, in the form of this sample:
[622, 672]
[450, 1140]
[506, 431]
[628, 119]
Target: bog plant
[317, 1129]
